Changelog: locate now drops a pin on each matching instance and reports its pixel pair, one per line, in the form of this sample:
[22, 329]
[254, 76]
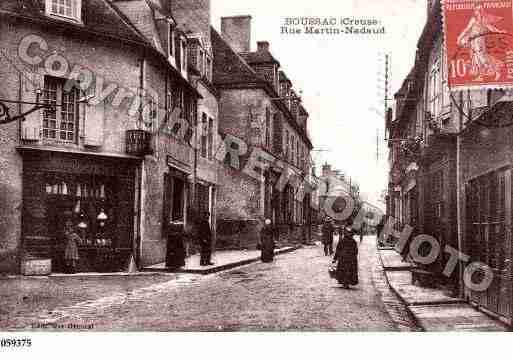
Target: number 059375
[15, 343]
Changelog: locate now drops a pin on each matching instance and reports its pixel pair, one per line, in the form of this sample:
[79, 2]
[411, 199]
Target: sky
[341, 76]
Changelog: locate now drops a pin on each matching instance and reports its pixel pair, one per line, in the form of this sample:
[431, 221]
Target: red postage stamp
[478, 43]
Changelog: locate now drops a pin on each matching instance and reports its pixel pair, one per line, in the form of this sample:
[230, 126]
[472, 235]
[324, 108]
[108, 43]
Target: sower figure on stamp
[327, 238]
[205, 238]
[478, 30]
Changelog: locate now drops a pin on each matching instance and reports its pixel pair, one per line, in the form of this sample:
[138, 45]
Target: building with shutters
[102, 153]
[422, 143]
[451, 160]
[194, 19]
[259, 107]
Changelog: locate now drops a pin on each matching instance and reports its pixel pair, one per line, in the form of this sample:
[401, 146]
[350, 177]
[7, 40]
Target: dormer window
[183, 55]
[171, 42]
[208, 71]
[69, 9]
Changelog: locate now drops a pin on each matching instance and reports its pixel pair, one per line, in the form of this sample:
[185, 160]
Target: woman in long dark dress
[267, 242]
[347, 256]
[175, 252]
[71, 256]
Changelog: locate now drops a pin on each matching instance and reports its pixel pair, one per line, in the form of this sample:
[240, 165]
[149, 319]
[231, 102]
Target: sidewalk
[392, 261]
[434, 309]
[223, 260]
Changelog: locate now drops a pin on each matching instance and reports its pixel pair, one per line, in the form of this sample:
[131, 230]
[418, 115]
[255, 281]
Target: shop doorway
[489, 219]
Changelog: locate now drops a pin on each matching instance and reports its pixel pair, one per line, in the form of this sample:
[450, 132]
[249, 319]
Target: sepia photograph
[210, 167]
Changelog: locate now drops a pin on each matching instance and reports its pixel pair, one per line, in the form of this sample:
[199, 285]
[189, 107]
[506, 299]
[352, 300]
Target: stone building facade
[98, 156]
[258, 106]
[451, 160]
[194, 18]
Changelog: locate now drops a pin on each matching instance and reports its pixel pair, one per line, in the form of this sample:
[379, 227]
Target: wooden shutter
[178, 52]
[125, 212]
[93, 118]
[31, 83]
[277, 133]
[166, 202]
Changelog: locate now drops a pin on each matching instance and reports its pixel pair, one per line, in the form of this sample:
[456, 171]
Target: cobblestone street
[293, 293]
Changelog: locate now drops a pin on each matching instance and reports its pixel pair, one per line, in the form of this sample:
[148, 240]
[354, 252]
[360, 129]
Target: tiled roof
[283, 77]
[259, 57]
[140, 14]
[230, 67]
[98, 17]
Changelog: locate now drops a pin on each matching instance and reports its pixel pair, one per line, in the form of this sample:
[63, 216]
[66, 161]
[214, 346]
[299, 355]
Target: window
[201, 62]
[209, 68]
[177, 214]
[70, 9]
[203, 135]
[445, 96]
[210, 138]
[297, 153]
[169, 101]
[171, 42]
[292, 151]
[150, 113]
[286, 147]
[60, 122]
[267, 128]
[434, 90]
[203, 198]
[486, 218]
[302, 161]
[178, 98]
[183, 55]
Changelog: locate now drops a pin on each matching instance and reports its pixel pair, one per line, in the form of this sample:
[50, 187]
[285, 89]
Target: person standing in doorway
[175, 252]
[205, 239]
[71, 256]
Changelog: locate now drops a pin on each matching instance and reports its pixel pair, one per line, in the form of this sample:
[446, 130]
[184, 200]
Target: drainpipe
[458, 200]
[195, 203]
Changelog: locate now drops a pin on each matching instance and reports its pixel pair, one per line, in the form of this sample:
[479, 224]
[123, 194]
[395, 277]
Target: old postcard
[254, 166]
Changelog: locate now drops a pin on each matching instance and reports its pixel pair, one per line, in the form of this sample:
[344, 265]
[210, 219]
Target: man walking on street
[205, 239]
[327, 238]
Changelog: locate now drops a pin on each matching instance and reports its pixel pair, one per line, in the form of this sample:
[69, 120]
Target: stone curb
[410, 305]
[391, 268]
[415, 318]
[87, 275]
[144, 272]
[227, 266]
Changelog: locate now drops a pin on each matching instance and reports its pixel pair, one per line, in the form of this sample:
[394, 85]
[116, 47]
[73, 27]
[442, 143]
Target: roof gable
[141, 16]
[259, 57]
[98, 16]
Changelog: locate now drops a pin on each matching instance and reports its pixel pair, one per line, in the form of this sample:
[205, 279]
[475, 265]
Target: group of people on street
[176, 253]
[201, 232]
[346, 253]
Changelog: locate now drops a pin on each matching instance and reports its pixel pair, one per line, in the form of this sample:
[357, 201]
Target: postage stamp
[478, 43]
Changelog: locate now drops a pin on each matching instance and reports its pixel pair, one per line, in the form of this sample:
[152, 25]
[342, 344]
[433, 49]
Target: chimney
[192, 16]
[237, 31]
[262, 46]
[429, 6]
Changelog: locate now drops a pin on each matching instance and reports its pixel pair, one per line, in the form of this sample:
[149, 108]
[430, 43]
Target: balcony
[138, 143]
